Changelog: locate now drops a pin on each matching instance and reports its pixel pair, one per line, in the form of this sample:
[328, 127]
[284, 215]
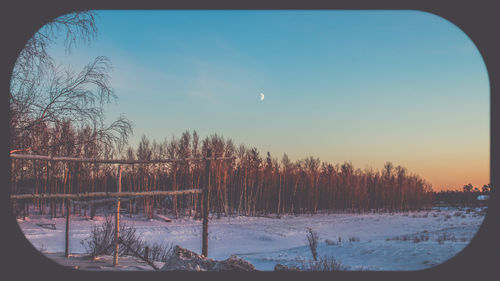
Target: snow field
[379, 241]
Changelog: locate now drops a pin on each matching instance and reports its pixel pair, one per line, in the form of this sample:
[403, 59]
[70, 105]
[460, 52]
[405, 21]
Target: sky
[367, 87]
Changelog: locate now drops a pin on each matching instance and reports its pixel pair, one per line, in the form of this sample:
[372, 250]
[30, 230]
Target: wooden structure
[103, 194]
[117, 218]
[204, 243]
[118, 194]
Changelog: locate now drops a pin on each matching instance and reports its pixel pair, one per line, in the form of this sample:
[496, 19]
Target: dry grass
[416, 238]
[102, 240]
[353, 239]
[331, 242]
[446, 237]
[312, 239]
[324, 263]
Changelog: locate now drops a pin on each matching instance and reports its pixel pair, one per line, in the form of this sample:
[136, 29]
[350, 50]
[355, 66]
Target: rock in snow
[185, 260]
[281, 267]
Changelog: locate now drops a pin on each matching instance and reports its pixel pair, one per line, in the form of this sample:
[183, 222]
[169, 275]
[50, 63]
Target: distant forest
[466, 197]
[251, 184]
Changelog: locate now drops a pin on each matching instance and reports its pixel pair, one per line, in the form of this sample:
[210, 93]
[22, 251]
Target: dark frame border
[20, 19]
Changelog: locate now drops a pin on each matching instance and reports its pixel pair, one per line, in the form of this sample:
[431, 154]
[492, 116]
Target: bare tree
[312, 240]
[43, 94]
[34, 58]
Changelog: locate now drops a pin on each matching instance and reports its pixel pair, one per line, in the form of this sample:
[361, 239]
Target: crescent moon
[261, 96]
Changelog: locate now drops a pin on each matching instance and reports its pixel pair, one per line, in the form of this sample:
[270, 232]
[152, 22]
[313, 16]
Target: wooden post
[204, 248]
[66, 245]
[117, 218]
[139, 255]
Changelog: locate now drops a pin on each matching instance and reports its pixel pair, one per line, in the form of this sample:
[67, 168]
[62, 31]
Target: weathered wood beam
[206, 209]
[88, 202]
[104, 194]
[117, 218]
[66, 240]
[112, 161]
[98, 201]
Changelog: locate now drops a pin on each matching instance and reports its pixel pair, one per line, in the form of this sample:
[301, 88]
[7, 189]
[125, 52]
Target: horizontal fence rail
[99, 201]
[104, 194]
[111, 161]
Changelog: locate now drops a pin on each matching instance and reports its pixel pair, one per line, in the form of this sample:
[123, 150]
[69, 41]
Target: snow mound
[185, 260]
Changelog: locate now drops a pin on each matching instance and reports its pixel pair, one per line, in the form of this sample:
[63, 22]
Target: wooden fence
[103, 194]
[118, 194]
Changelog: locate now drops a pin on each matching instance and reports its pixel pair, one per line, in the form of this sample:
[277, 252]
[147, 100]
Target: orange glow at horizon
[454, 178]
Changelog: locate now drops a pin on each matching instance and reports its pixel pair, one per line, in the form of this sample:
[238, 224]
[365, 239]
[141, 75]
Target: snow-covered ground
[386, 241]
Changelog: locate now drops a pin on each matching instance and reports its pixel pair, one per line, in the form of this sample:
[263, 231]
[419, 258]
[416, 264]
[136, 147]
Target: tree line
[250, 184]
[466, 197]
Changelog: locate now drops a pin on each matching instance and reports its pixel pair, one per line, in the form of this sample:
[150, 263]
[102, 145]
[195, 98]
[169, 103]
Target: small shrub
[395, 238]
[102, 240]
[157, 252]
[448, 217]
[312, 239]
[324, 264]
[405, 237]
[446, 237]
[457, 214]
[420, 238]
[353, 239]
[331, 242]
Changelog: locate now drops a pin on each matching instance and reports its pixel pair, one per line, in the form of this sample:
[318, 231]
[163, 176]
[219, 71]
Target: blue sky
[360, 86]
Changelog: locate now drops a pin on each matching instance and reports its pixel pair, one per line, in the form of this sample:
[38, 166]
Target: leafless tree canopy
[33, 59]
[46, 98]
